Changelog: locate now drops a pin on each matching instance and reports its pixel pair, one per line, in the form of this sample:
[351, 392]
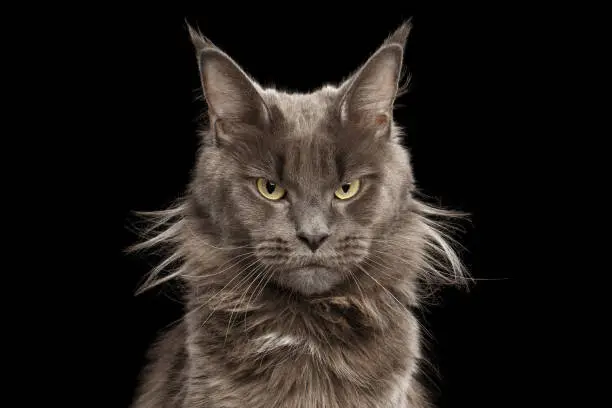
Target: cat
[302, 247]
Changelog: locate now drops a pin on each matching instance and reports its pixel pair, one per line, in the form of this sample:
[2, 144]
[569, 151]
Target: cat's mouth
[312, 265]
[309, 279]
[308, 269]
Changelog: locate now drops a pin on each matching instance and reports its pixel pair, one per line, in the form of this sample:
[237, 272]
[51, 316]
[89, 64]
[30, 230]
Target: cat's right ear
[234, 100]
[367, 98]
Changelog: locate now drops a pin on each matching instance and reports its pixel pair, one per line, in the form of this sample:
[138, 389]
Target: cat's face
[306, 182]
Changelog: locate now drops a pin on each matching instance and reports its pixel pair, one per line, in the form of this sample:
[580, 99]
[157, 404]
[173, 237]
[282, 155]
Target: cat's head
[312, 192]
[307, 181]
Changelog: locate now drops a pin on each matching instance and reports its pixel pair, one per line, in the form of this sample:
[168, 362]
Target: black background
[458, 129]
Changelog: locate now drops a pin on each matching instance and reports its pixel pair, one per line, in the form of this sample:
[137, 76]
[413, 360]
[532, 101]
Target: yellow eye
[347, 190]
[270, 190]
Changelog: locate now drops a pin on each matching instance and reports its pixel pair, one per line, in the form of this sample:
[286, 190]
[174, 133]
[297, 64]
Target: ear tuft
[200, 41]
[400, 35]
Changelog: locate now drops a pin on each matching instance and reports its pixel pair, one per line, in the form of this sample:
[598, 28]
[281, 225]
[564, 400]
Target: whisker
[205, 303]
[241, 256]
[459, 274]
[381, 269]
[265, 277]
[264, 280]
[385, 289]
[363, 298]
[255, 276]
[220, 291]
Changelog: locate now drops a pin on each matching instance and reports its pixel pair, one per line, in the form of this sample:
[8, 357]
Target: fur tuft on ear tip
[400, 35]
[199, 40]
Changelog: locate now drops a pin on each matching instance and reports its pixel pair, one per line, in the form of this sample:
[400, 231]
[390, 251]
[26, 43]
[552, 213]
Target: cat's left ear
[367, 97]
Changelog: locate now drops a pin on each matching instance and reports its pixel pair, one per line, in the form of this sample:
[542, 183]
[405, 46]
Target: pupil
[345, 187]
[270, 187]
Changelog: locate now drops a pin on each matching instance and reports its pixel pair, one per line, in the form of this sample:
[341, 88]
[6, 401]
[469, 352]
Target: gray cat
[302, 248]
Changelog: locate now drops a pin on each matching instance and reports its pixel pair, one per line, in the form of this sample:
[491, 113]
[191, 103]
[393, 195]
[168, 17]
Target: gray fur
[263, 327]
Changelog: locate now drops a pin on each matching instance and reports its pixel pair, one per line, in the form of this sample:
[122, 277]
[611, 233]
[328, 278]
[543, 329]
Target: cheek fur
[366, 209]
[255, 213]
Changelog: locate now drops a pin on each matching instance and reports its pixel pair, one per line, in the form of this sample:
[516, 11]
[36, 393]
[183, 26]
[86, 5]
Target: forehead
[307, 147]
[305, 137]
[302, 116]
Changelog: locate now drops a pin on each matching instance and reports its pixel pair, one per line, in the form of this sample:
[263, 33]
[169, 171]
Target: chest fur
[335, 362]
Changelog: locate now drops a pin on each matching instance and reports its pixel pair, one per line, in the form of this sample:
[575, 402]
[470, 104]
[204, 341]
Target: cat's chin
[309, 280]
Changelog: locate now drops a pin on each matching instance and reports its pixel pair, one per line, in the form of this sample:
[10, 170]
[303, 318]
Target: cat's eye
[269, 189]
[347, 190]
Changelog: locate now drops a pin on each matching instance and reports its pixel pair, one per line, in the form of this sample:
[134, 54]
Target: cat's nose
[313, 241]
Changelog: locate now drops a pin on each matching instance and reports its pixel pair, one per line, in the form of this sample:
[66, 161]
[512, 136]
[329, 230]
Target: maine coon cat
[302, 248]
